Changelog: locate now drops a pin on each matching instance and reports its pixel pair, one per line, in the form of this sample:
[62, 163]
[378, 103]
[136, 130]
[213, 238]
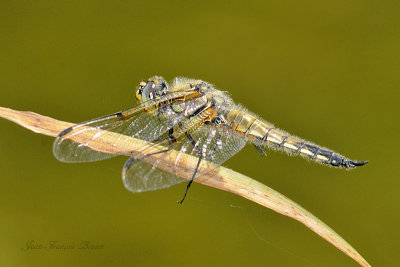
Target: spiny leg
[195, 170]
[191, 180]
[198, 163]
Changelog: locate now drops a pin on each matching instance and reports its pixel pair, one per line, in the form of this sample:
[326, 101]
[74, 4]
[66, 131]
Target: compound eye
[139, 91]
[149, 91]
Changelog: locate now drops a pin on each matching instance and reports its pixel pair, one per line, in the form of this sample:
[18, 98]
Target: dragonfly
[190, 117]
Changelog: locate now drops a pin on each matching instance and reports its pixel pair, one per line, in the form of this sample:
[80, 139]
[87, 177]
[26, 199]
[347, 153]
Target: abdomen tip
[355, 163]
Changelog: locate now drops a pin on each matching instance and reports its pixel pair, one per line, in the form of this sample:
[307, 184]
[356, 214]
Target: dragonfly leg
[195, 170]
[191, 181]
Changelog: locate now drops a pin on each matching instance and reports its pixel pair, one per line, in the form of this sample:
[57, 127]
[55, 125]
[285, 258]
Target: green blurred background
[327, 71]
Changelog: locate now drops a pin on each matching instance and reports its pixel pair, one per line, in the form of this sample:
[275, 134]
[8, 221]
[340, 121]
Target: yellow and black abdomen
[262, 134]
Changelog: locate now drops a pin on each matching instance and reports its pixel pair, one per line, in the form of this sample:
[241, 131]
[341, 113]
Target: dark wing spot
[120, 115]
[64, 132]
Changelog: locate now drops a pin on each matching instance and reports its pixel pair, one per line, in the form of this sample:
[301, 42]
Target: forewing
[213, 143]
[138, 123]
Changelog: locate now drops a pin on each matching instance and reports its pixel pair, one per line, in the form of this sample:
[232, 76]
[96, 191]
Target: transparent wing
[135, 122]
[213, 143]
[140, 176]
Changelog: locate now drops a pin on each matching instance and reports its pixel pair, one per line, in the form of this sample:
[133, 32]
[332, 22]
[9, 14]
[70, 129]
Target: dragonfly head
[155, 86]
